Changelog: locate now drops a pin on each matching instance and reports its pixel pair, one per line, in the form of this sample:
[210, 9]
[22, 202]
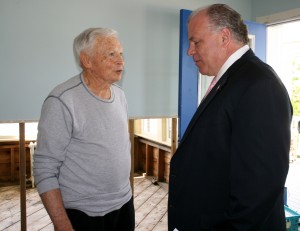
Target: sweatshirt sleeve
[54, 135]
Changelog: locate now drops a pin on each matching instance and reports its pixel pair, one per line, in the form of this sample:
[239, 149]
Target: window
[157, 129]
[10, 131]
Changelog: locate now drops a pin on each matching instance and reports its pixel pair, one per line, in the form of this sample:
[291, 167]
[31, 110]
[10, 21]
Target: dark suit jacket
[229, 170]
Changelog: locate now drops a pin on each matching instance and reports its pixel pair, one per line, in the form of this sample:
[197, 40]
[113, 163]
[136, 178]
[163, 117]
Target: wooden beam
[161, 165]
[174, 141]
[22, 154]
[149, 160]
[12, 164]
[136, 158]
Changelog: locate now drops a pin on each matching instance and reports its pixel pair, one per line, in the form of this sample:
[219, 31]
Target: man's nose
[191, 50]
[120, 59]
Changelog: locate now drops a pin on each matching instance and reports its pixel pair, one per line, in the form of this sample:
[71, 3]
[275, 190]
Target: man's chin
[201, 70]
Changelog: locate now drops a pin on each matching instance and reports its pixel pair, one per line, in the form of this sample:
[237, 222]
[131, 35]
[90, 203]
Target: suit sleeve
[259, 153]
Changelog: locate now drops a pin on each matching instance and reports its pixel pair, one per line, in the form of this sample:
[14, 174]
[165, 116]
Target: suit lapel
[205, 102]
[216, 90]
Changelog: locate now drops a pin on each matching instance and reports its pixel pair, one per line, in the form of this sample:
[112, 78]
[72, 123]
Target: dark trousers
[122, 219]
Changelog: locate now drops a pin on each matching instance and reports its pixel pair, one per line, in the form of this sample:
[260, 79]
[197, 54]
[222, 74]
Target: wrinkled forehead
[108, 42]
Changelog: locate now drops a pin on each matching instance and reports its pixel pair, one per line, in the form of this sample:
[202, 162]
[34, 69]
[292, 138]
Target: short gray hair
[222, 16]
[86, 40]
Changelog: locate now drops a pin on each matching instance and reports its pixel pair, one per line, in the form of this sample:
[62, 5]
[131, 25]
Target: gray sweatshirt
[83, 148]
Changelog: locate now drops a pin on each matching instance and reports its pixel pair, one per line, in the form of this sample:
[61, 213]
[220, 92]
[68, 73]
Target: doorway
[283, 54]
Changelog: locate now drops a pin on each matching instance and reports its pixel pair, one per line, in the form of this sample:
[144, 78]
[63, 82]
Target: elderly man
[82, 160]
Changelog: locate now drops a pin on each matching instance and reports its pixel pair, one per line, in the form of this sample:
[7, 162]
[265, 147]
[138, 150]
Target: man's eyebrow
[192, 39]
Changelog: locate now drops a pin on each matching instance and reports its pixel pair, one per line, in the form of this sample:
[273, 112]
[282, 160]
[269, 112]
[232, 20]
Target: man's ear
[226, 36]
[85, 60]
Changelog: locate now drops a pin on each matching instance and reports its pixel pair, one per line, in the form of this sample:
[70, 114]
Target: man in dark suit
[229, 170]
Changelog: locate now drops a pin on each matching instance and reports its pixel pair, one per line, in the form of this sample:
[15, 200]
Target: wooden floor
[150, 201]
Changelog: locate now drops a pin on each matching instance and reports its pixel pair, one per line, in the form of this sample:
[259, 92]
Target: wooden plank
[145, 209]
[162, 225]
[7, 189]
[155, 215]
[8, 210]
[22, 154]
[155, 144]
[38, 220]
[145, 195]
[138, 180]
[142, 186]
[8, 195]
[48, 227]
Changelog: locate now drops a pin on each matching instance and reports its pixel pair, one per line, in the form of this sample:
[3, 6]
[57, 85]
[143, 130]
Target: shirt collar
[232, 58]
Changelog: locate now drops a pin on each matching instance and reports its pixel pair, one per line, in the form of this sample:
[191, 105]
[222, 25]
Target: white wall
[269, 7]
[36, 50]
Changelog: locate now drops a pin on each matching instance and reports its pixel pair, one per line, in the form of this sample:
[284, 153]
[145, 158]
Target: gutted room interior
[36, 55]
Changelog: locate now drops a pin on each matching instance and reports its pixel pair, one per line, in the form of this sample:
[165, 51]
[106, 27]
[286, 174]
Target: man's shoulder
[68, 85]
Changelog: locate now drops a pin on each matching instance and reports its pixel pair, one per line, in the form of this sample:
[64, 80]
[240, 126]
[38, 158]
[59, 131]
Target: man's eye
[115, 55]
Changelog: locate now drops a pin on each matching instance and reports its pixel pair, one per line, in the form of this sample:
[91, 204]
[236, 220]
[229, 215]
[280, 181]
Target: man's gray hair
[86, 40]
[222, 16]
